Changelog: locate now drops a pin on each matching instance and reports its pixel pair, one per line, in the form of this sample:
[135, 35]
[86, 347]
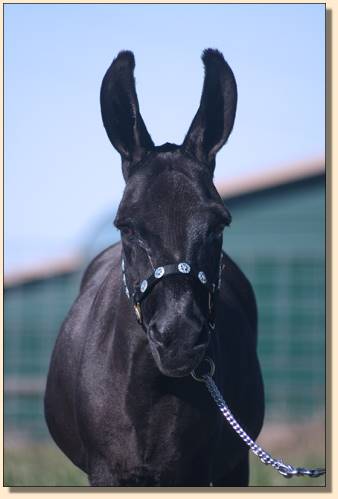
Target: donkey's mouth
[178, 365]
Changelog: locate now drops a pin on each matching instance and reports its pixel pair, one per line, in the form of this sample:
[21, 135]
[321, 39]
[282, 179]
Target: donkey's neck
[130, 348]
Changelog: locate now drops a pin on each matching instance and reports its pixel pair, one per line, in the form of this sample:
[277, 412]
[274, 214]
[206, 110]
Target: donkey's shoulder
[100, 266]
[234, 278]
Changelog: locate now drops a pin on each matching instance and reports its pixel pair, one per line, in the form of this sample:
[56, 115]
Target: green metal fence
[290, 297]
[33, 313]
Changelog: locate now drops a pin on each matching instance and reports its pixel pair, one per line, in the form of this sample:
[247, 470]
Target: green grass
[263, 476]
[301, 445]
[40, 465]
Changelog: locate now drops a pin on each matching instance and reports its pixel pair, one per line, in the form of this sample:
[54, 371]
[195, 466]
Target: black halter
[142, 290]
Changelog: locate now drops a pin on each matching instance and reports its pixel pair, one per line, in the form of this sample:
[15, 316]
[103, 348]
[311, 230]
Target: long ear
[120, 110]
[215, 117]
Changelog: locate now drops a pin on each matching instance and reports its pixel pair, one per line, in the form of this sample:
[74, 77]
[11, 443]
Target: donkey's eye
[127, 231]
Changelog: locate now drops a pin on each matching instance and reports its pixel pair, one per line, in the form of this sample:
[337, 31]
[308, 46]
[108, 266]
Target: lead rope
[286, 470]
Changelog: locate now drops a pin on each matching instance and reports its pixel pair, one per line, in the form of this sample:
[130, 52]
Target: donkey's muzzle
[176, 355]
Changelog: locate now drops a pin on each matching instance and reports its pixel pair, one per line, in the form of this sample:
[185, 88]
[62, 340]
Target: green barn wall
[287, 222]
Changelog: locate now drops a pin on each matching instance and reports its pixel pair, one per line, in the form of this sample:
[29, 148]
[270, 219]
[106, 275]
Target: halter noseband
[143, 289]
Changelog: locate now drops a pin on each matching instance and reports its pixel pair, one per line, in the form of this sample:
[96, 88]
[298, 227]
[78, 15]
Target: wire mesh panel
[34, 312]
[290, 293]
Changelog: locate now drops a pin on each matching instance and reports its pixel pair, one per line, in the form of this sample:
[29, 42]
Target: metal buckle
[137, 308]
[202, 376]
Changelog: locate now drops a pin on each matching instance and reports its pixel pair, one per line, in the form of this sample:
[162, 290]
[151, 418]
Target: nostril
[158, 337]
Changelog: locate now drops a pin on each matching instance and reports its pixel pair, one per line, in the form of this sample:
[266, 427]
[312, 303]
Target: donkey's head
[170, 212]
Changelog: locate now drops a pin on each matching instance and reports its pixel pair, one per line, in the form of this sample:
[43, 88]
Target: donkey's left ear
[120, 111]
[215, 117]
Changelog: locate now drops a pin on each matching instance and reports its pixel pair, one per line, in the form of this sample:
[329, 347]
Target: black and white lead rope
[286, 470]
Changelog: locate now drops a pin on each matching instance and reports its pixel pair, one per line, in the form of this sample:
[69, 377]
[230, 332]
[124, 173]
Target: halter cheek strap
[143, 289]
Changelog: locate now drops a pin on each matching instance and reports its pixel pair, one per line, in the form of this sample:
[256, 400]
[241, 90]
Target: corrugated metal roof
[44, 271]
[271, 178]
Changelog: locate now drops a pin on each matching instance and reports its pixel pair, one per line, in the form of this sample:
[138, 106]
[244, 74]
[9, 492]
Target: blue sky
[62, 174]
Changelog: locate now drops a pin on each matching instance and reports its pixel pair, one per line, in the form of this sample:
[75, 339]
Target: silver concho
[184, 267]
[144, 285]
[202, 277]
[159, 272]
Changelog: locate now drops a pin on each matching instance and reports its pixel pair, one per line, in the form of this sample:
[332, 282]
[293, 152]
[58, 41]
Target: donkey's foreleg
[101, 475]
[238, 477]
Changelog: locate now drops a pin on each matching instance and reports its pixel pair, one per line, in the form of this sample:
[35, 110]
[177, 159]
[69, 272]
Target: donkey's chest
[137, 427]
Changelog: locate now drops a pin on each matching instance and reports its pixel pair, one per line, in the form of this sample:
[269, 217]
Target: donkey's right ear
[120, 110]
